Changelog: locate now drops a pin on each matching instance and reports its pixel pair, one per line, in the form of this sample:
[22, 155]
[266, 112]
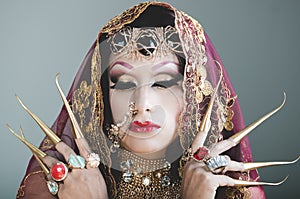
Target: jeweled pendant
[146, 181]
[165, 181]
[158, 175]
[167, 165]
[127, 164]
[127, 176]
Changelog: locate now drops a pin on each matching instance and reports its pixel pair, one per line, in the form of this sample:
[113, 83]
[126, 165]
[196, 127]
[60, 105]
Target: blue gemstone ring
[52, 186]
[76, 162]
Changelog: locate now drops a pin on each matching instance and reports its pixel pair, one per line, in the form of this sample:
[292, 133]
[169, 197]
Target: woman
[153, 100]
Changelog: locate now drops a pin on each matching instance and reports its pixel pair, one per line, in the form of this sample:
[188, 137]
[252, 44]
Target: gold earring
[228, 124]
[113, 136]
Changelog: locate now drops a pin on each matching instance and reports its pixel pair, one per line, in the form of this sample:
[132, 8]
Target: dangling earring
[113, 136]
[114, 129]
[228, 125]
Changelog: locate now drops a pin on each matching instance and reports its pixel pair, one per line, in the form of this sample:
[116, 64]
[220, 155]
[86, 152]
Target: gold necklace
[145, 178]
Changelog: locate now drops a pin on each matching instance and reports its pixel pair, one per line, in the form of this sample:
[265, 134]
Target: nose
[143, 98]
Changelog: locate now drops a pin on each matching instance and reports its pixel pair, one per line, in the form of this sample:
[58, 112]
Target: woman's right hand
[79, 183]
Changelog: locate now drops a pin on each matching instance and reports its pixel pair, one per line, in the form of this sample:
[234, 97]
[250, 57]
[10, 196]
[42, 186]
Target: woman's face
[155, 88]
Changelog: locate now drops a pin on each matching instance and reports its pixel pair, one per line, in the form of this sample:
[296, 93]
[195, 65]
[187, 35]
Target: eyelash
[119, 85]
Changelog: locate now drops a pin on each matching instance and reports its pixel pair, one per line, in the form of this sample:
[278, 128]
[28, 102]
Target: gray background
[258, 42]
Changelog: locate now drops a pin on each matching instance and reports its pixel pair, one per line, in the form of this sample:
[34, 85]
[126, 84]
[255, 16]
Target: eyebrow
[155, 67]
[122, 63]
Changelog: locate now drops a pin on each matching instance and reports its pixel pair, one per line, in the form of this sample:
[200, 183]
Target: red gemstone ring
[59, 171]
[202, 154]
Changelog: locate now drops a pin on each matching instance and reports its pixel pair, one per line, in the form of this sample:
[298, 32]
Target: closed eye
[123, 85]
[167, 83]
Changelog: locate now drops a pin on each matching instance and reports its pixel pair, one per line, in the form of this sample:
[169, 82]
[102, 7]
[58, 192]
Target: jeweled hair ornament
[149, 42]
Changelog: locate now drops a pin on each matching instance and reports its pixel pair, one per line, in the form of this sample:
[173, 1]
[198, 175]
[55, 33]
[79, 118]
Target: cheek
[173, 104]
[119, 102]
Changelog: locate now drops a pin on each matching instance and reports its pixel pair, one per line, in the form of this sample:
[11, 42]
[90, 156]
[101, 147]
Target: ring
[202, 154]
[59, 171]
[52, 186]
[93, 160]
[76, 162]
[216, 162]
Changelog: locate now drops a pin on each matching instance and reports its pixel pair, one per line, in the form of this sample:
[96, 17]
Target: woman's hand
[79, 183]
[83, 181]
[203, 175]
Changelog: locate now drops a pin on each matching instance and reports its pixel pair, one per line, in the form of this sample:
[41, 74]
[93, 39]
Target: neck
[153, 155]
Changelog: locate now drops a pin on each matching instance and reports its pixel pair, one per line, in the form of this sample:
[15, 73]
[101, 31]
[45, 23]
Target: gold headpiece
[148, 42]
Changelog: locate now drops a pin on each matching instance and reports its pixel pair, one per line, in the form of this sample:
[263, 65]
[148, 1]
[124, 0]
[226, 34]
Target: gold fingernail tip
[37, 154]
[240, 135]
[42, 165]
[52, 136]
[207, 114]
[253, 183]
[76, 129]
[276, 183]
[33, 148]
[256, 165]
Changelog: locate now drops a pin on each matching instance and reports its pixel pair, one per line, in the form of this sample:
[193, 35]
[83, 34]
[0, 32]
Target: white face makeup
[155, 88]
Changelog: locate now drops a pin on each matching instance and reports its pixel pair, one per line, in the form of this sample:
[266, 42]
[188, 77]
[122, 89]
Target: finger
[222, 146]
[60, 192]
[241, 134]
[83, 146]
[52, 136]
[205, 122]
[65, 150]
[224, 180]
[192, 171]
[200, 137]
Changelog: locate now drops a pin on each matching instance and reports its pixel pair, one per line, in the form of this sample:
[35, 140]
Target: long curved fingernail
[76, 129]
[33, 148]
[52, 136]
[207, 114]
[252, 183]
[42, 165]
[256, 165]
[241, 134]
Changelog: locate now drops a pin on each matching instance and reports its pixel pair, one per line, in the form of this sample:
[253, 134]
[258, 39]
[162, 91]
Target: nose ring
[132, 110]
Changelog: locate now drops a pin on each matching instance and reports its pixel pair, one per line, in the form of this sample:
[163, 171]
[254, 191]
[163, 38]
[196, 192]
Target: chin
[146, 147]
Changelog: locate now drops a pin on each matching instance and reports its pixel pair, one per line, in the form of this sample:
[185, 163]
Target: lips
[143, 127]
